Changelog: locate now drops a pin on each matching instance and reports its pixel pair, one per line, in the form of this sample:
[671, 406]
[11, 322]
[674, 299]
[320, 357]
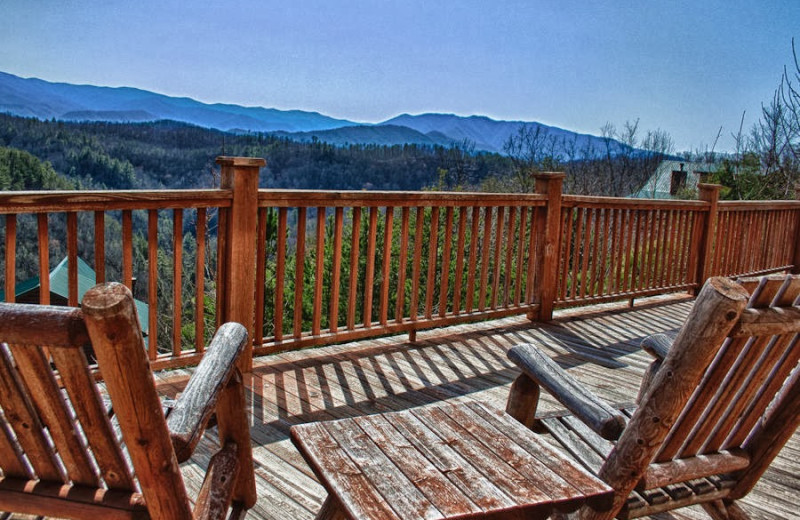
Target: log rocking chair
[64, 454]
[716, 407]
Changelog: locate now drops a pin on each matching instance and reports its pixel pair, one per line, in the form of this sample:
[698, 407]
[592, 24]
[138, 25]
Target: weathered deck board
[599, 346]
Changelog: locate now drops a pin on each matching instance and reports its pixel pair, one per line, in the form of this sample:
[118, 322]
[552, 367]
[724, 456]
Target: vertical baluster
[72, 258]
[152, 283]
[200, 283]
[600, 251]
[355, 240]
[300, 260]
[498, 247]
[280, 272]
[338, 226]
[369, 276]
[433, 253]
[523, 226]
[658, 251]
[512, 217]
[44, 259]
[649, 242]
[616, 249]
[532, 257]
[591, 214]
[222, 239]
[460, 244]
[261, 266]
[127, 248]
[416, 266]
[100, 246]
[719, 241]
[11, 257]
[445, 279]
[638, 230]
[487, 237]
[387, 265]
[177, 280]
[403, 264]
[579, 254]
[677, 255]
[473, 257]
[316, 320]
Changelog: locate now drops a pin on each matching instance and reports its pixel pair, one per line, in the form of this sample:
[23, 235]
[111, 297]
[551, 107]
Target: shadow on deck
[598, 345]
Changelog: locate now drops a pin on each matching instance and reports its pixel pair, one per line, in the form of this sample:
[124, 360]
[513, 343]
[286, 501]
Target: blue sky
[687, 67]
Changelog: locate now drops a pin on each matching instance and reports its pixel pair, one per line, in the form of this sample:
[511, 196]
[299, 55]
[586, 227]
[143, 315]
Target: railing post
[796, 257]
[238, 264]
[548, 231]
[703, 240]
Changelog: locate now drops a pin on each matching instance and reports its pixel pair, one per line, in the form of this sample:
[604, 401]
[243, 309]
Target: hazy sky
[687, 67]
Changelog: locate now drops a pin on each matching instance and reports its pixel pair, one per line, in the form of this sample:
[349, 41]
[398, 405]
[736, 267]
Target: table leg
[331, 510]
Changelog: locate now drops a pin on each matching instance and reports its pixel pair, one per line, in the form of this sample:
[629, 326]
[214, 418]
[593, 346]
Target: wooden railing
[106, 228]
[338, 266]
[305, 268]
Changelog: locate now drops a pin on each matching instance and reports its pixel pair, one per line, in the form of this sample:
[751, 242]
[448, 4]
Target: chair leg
[725, 510]
[330, 510]
[522, 400]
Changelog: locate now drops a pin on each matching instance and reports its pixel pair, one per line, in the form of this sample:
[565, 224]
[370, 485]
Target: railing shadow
[390, 374]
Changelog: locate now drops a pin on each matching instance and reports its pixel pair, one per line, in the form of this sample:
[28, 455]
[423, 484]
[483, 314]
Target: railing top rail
[312, 198]
[626, 203]
[757, 205]
[59, 201]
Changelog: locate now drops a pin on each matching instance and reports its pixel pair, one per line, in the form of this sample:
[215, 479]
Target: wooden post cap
[247, 162]
[106, 299]
[728, 288]
[549, 175]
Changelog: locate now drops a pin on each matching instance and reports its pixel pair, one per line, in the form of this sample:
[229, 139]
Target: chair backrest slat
[702, 395]
[73, 368]
[780, 372]
[752, 369]
[12, 461]
[54, 412]
[21, 417]
[736, 384]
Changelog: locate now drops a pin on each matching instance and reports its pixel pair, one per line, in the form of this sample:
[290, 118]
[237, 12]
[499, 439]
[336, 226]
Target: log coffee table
[442, 461]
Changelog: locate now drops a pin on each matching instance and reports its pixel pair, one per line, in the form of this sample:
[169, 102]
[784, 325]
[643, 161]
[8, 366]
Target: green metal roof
[59, 284]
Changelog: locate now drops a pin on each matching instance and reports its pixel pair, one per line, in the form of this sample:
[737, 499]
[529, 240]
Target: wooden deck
[598, 345]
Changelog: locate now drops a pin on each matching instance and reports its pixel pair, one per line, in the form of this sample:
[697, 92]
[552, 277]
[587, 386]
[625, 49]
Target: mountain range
[32, 97]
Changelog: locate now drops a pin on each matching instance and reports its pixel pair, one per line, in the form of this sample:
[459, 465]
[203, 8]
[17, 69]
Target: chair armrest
[657, 345]
[590, 409]
[196, 404]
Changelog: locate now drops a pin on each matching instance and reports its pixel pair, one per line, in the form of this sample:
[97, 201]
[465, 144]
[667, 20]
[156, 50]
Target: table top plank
[552, 458]
[387, 480]
[445, 495]
[549, 482]
[469, 480]
[339, 474]
[483, 459]
[444, 461]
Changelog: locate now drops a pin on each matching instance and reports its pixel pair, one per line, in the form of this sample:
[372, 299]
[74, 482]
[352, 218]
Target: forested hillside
[166, 154]
[175, 155]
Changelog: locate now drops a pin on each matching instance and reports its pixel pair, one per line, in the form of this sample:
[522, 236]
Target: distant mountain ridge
[62, 101]
[44, 100]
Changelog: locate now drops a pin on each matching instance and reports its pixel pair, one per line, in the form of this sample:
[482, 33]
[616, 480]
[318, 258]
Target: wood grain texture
[197, 402]
[603, 419]
[715, 312]
[113, 327]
